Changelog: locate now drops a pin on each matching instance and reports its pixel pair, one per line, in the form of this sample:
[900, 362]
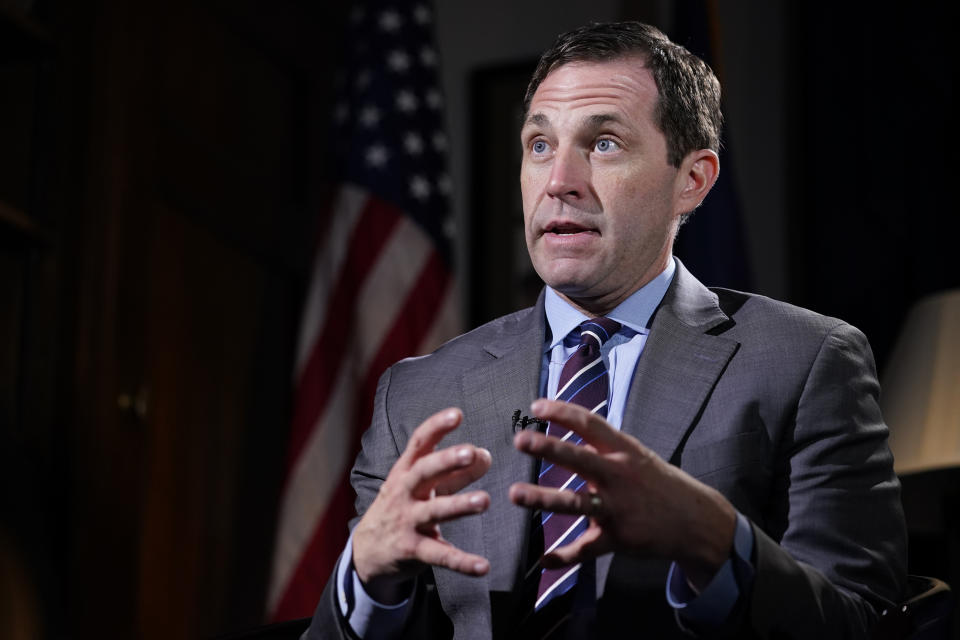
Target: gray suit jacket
[774, 406]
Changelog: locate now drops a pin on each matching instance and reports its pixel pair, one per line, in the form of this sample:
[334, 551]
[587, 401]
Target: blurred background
[166, 182]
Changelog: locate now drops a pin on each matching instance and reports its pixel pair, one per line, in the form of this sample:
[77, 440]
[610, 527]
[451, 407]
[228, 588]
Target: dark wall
[873, 217]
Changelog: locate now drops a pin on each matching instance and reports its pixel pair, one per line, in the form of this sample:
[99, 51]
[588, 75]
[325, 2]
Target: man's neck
[602, 305]
[634, 312]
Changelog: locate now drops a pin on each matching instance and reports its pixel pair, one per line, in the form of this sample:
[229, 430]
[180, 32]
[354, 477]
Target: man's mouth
[565, 228]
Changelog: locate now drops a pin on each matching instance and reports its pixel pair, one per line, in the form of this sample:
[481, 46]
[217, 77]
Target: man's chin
[570, 276]
[589, 298]
[573, 289]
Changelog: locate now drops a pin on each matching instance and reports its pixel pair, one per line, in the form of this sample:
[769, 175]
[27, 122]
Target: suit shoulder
[754, 316]
[759, 309]
[468, 349]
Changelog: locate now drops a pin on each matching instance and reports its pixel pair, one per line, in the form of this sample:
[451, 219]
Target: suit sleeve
[843, 551]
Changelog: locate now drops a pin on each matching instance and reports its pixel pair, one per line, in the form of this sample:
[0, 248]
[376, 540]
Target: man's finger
[531, 496]
[444, 508]
[461, 478]
[581, 460]
[591, 427]
[444, 554]
[426, 436]
[439, 466]
[589, 545]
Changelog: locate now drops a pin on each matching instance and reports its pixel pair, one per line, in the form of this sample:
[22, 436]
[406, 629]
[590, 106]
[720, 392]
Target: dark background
[161, 173]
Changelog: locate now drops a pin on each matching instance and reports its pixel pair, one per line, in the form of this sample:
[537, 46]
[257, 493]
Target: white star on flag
[370, 116]
[390, 21]
[398, 61]
[406, 101]
[428, 57]
[421, 14]
[434, 99]
[377, 155]
[449, 227]
[420, 188]
[413, 143]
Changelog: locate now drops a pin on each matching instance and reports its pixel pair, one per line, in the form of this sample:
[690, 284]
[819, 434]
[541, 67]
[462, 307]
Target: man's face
[600, 202]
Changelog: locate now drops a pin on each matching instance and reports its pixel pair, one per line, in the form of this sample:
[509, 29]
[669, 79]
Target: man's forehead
[611, 78]
[631, 65]
[612, 89]
[540, 119]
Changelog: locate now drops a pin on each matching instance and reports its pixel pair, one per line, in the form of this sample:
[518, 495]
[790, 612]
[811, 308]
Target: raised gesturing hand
[637, 502]
[399, 534]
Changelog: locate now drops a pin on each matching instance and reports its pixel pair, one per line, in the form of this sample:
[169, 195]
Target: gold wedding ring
[596, 505]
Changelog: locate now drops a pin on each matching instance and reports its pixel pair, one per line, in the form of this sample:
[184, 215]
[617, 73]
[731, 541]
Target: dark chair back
[286, 630]
[925, 614]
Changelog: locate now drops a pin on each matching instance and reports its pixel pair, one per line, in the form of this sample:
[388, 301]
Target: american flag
[381, 287]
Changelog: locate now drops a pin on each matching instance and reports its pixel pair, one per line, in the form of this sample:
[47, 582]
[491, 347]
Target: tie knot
[596, 331]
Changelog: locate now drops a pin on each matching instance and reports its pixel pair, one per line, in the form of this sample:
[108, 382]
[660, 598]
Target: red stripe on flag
[303, 591]
[371, 233]
[306, 584]
[409, 329]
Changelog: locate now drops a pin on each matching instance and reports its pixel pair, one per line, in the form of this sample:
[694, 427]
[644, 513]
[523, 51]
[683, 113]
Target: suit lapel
[678, 368]
[491, 394]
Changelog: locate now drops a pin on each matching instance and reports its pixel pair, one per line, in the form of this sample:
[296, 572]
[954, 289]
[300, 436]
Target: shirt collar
[634, 312]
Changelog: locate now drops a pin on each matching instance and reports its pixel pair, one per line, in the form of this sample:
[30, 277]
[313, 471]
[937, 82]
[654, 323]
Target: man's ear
[697, 174]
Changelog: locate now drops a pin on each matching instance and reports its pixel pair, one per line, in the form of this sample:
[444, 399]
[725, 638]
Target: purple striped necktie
[583, 381]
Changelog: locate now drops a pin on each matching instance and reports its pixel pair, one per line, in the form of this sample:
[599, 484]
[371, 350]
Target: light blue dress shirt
[371, 620]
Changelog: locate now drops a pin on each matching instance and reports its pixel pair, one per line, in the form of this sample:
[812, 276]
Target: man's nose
[569, 174]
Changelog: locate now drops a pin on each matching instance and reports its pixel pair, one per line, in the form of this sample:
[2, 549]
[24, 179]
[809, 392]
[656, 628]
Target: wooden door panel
[203, 314]
[200, 151]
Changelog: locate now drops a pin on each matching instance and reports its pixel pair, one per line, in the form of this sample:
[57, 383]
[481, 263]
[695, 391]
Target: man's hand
[637, 502]
[399, 534]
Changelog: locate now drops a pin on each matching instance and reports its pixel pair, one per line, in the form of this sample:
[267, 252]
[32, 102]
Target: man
[741, 465]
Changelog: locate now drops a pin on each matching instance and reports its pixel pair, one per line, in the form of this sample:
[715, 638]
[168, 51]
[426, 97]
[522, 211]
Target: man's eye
[605, 145]
[539, 146]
